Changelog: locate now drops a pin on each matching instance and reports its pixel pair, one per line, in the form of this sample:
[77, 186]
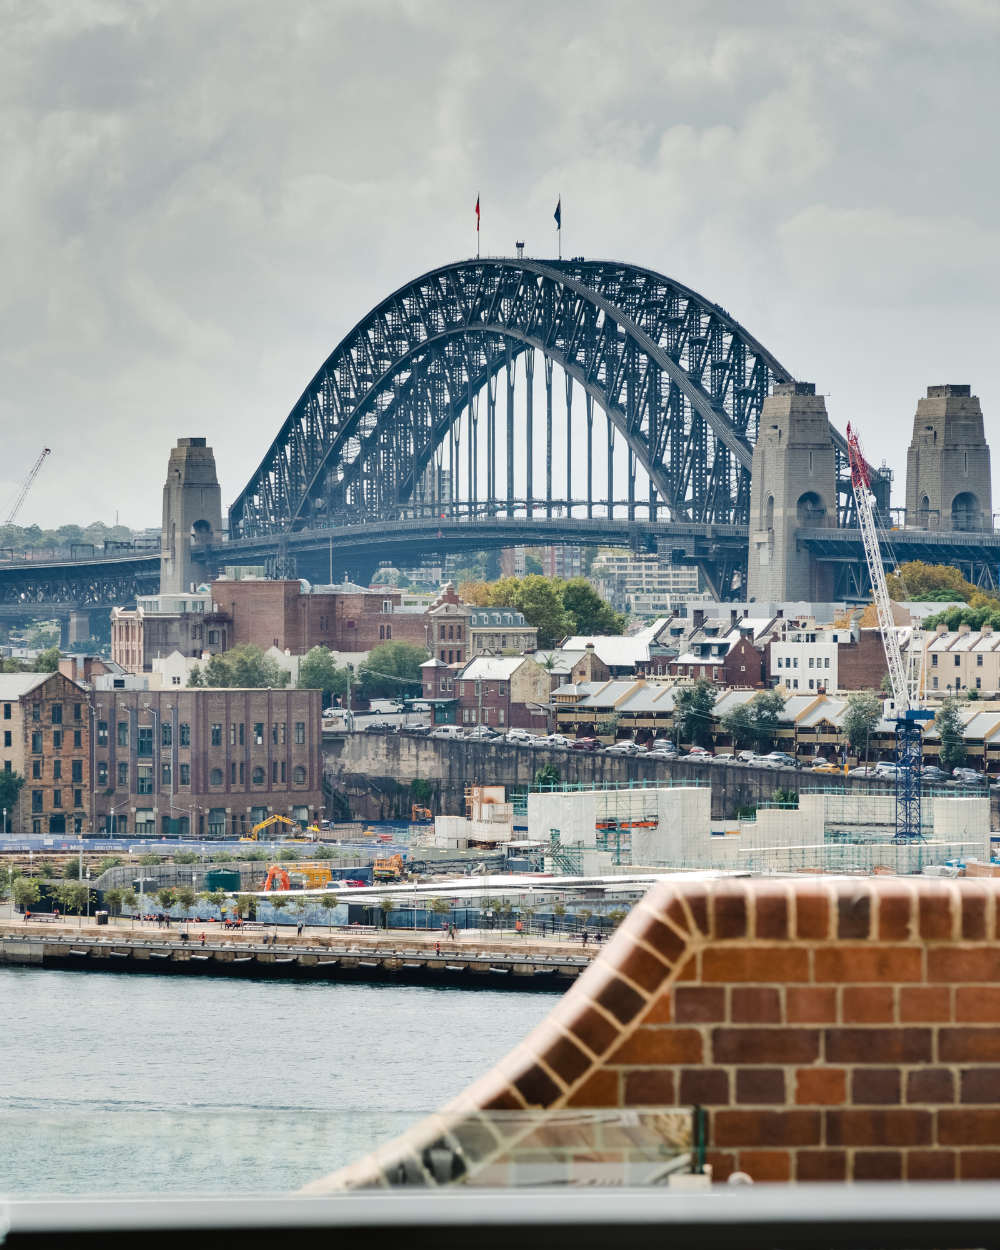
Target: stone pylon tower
[948, 484]
[192, 514]
[793, 486]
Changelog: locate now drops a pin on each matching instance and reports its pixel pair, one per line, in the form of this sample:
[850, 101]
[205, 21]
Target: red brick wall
[861, 665]
[834, 1029]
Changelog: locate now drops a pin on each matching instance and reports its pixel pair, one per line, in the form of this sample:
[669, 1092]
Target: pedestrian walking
[585, 937]
[203, 939]
[300, 928]
[437, 948]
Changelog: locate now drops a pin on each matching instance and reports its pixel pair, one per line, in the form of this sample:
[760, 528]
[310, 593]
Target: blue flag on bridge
[558, 214]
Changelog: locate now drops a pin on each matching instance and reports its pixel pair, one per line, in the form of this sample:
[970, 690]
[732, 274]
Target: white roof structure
[15, 686]
[492, 667]
[621, 651]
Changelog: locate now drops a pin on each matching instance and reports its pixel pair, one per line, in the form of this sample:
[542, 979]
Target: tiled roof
[16, 685]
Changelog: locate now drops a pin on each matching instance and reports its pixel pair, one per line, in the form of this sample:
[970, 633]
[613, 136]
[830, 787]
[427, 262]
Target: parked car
[825, 766]
[969, 776]
[379, 727]
[883, 769]
[781, 759]
[663, 755]
[745, 757]
[418, 730]
[662, 744]
[585, 744]
[519, 735]
[446, 731]
[698, 751]
[864, 770]
[931, 772]
[619, 748]
[483, 731]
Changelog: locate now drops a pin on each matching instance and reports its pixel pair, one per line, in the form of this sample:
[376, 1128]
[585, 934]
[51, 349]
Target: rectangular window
[241, 733]
[7, 738]
[123, 773]
[57, 798]
[282, 733]
[979, 683]
[36, 742]
[258, 733]
[500, 717]
[145, 744]
[6, 711]
[458, 633]
[274, 733]
[78, 711]
[185, 774]
[300, 733]
[795, 662]
[811, 662]
[282, 770]
[78, 802]
[958, 661]
[461, 689]
[77, 739]
[503, 688]
[166, 733]
[795, 684]
[102, 772]
[36, 800]
[57, 770]
[56, 739]
[979, 661]
[232, 734]
[232, 774]
[780, 665]
[486, 715]
[465, 716]
[102, 733]
[826, 661]
[935, 683]
[123, 733]
[144, 783]
[77, 770]
[381, 631]
[274, 771]
[933, 661]
[36, 711]
[36, 768]
[57, 713]
[185, 735]
[241, 772]
[216, 735]
[165, 776]
[810, 683]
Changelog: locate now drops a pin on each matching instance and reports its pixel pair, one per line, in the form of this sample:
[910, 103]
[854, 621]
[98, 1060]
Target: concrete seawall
[374, 772]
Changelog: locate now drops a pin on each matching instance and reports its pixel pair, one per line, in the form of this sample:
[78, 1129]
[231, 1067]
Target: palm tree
[386, 904]
[559, 910]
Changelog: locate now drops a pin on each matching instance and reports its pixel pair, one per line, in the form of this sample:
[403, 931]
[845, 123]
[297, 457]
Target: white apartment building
[641, 584]
[965, 659]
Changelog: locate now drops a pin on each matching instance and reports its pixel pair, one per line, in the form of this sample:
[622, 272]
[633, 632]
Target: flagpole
[560, 225]
[477, 227]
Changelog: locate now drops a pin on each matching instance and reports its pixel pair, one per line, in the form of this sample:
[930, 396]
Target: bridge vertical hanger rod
[611, 467]
[569, 443]
[529, 376]
[474, 454]
[548, 435]
[631, 418]
[510, 428]
[491, 437]
[590, 454]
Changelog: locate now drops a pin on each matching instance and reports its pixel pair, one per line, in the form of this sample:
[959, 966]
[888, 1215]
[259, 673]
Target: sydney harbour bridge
[497, 402]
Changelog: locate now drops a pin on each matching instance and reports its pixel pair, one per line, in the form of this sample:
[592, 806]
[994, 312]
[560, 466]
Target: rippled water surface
[124, 1084]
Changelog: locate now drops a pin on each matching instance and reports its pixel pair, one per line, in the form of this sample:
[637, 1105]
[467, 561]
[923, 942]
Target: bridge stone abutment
[192, 514]
[948, 483]
[793, 486]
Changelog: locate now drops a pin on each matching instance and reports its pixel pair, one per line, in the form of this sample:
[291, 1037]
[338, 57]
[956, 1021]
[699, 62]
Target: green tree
[324, 852]
[26, 892]
[547, 776]
[922, 582]
[247, 667]
[593, 615]
[864, 710]
[540, 600]
[73, 896]
[150, 859]
[166, 897]
[693, 712]
[113, 899]
[559, 911]
[48, 661]
[318, 671]
[949, 726]
[392, 668]
[109, 861]
[755, 723]
[420, 790]
[71, 870]
[386, 905]
[217, 898]
[244, 904]
[329, 903]
[616, 915]
[532, 565]
[10, 789]
[130, 900]
[785, 798]
[196, 678]
[287, 854]
[279, 904]
[221, 857]
[186, 857]
[186, 897]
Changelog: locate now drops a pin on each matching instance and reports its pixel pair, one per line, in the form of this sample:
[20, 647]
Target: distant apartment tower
[512, 562]
[562, 560]
[639, 583]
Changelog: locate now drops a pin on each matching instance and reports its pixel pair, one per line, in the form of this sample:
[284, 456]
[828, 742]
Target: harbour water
[115, 1084]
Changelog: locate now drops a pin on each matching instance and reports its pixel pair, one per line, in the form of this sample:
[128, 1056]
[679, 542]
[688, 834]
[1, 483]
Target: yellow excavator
[264, 824]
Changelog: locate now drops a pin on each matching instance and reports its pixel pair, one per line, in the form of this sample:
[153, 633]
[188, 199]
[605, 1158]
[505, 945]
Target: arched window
[258, 776]
[769, 513]
[810, 511]
[215, 777]
[299, 775]
[965, 512]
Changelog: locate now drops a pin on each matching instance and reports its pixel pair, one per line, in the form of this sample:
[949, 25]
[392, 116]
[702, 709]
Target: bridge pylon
[793, 486]
[192, 514]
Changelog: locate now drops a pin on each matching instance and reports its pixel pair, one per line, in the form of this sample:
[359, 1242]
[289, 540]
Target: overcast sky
[199, 199]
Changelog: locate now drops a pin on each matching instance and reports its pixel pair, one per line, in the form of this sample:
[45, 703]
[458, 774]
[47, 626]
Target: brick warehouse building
[205, 763]
[46, 739]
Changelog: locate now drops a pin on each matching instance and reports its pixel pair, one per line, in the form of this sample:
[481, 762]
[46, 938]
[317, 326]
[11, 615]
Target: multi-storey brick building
[504, 692]
[46, 738]
[205, 763]
[161, 624]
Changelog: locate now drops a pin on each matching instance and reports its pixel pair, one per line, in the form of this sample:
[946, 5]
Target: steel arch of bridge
[678, 377]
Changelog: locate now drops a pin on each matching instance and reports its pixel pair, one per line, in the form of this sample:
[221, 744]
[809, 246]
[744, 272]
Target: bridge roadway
[58, 588]
[396, 957]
